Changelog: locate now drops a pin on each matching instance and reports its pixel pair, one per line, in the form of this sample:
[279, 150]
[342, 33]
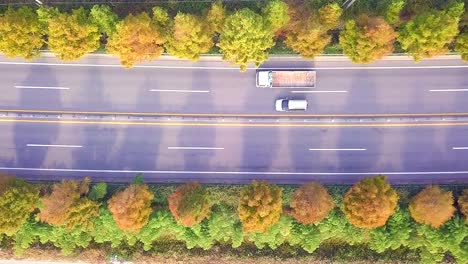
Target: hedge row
[70, 215]
[243, 35]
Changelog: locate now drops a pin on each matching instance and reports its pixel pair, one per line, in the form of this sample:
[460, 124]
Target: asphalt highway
[210, 86]
[234, 154]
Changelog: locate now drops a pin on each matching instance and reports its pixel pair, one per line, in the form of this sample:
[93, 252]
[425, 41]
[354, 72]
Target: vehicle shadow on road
[199, 160]
[98, 141]
[45, 134]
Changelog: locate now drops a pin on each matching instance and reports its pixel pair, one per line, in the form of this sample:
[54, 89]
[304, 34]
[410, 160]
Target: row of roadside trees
[28, 212]
[242, 36]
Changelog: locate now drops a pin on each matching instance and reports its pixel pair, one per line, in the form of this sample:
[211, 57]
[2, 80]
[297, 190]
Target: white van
[282, 105]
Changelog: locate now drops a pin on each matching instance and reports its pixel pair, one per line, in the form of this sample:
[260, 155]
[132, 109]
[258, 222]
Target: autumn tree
[276, 14]
[21, 34]
[215, 17]
[68, 205]
[311, 203]
[104, 18]
[131, 207]
[462, 45]
[137, 38]
[430, 33]
[370, 202]
[70, 36]
[367, 39]
[393, 10]
[17, 201]
[245, 38]
[190, 204]
[189, 37]
[432, 206]
[309, 36]
[463, 204]
[260, 206]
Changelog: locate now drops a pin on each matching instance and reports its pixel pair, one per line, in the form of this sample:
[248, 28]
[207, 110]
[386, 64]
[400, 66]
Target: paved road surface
[235, 154]
[212, 86]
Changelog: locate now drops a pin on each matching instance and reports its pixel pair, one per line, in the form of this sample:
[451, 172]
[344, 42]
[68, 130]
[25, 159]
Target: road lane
[229, 91]
[281, 154]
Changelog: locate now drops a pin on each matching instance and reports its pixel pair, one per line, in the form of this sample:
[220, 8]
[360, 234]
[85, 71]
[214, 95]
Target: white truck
[285, 79]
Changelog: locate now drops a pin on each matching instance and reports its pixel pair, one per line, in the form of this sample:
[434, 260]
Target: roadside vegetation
[242, 32]
[372, 218]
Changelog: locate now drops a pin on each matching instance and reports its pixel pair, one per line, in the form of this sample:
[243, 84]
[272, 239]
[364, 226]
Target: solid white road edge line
[319, 91]
[234, 68]
[195, 148]
[460, 148]
[41, 87]
[449, 90]
[355, 149]
[180, 91]
[240, 172]
[54, 146]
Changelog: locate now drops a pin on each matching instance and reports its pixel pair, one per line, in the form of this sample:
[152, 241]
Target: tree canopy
[367, 39]
[463, 204]
[311, 203]
[462, 45]
[215, 17]
[137, 38]
[190, 204]
[432, 206]
[430, 33]
[21, 33]
[131, 207]
[70, 36]
[17, 203]
[308, 33]
[276, 13]
[68, 206]
[104, 18]
[260, 206]
[245, 38]
[370, 202]
[189, 37]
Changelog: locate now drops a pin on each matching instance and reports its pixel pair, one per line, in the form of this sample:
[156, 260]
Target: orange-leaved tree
[260, 206]
[131, 207]
[311, 203]
[432, 206]
[137, 38]
[67, 205]
[190, 204]
[370, 202]
[463, 204]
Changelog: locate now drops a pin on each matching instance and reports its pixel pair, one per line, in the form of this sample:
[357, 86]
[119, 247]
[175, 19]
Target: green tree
[276, 14]
[68, 206]
[311, 203]
[189, 37]
[393, 10]
[367, 39]
[260, 206]
[70, 36]
[131, 207]
[190, 204]
[429, 34]
[370, 202]
[17, 202]
[432, 206]
[21, 34]
[309, 36]
[463, 204]
[462, 45]
[104, 18]
[98, 191]
[215, 17]
[245, 38]
[137, 38]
